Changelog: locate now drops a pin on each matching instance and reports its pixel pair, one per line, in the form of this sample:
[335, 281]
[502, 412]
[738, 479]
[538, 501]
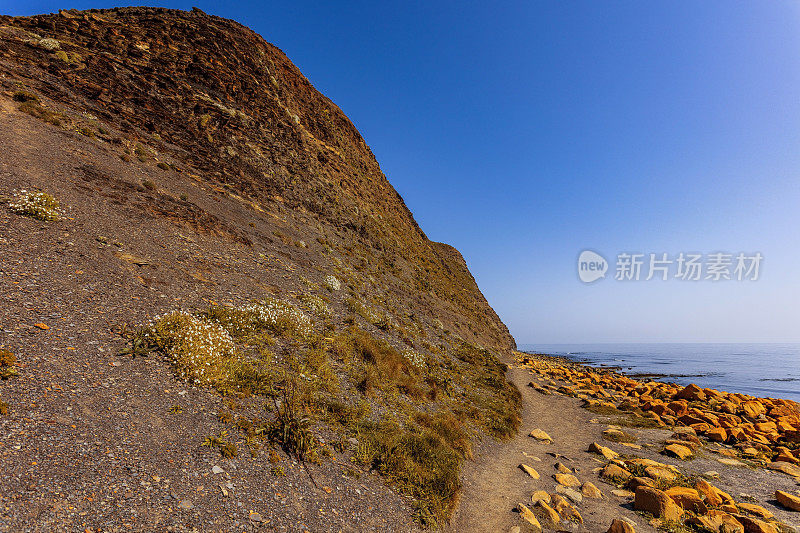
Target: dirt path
[494, 483]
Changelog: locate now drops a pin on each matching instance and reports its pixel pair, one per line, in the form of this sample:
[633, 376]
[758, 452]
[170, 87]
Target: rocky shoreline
[738, 430]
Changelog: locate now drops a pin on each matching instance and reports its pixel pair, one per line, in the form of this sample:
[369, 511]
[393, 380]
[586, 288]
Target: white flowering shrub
[35, 204]
[414, 357]
[333, 283]
[281, 317]
[202, 352]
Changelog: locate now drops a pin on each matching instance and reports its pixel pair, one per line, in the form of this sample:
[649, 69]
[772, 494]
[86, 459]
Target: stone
[786, 468]
[42, 326]
[572, 494]
[615, 472]
[756, 510]
[712, 494]
[678, 450]
[789, 501]
[528, 516]
[564, 469]
[217, 470]
[688, 499]
[568, 480]
[530, 471]
[185, 505]
[620, 526]
[514, 529]
[657, 503]
[589, 490]
[565, 509]
[692, 393]
[540, 435]
[660, 473]
[719, 521]
[730, 461]
[548, 514]
[608, 453]
[619, 493]
[754, 525]
[540, 495]
[256, 517]
[636, 482]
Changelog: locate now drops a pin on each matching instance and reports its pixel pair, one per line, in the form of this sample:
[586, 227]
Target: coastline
[744, 443]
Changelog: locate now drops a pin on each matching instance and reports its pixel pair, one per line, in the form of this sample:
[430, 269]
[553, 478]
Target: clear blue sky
[525, 132]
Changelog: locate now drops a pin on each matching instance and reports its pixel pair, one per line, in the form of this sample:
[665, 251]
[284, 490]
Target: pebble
[185, 504]
[217, 470]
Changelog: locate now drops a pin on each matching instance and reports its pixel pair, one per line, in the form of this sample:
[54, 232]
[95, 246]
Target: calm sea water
[767, 370]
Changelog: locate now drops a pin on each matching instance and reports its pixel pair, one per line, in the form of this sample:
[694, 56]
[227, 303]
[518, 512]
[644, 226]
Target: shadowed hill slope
[233, 109]
[215, 311]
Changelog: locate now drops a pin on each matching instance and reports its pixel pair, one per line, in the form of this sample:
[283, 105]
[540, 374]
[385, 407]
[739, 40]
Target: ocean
[765, 370]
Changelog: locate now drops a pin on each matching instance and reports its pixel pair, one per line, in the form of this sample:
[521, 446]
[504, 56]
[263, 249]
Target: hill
[216, 310]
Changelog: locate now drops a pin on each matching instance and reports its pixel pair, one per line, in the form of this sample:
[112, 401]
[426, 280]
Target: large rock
[714, 496]
[786, 468]
[789, 501]
[657, 503]
[756, 510]
[754, 525]
[615, 473]
[692, 393]
[717, 522]
[678, 450]
[688, 499]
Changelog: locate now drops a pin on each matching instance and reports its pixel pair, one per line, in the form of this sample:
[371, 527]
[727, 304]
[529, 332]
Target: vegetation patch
[35, 204]
[8, 364]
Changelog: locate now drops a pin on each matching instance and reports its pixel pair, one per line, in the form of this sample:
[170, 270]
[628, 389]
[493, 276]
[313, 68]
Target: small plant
[316, 304]
[332, 283]
[35, 204]
[226, 449]
[292, 430]
[278, 471]
[25, 96]
[35, 109]
[8, 363]
[176, 409]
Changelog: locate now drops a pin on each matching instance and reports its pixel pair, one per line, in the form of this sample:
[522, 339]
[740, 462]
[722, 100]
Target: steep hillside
[215, 311]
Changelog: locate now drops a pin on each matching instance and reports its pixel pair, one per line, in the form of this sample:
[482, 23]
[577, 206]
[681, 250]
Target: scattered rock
[540, 495]
[564, 469]
[679, 451]
[786, 468]
[540, 435]
[589, 490]
[730, 461]
[527, 515]
[185, 505]
[572, 494]
[688, 499]
[567, 480]
[548, 514]
[217, 470]
[756, 510]
[530, 471]
[754, 525]
[42, 326]
[657, 503]
[716, 520]
[789, 501]
[608, 453]
[620, 493]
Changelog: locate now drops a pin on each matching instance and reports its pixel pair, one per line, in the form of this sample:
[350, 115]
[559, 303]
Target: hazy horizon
[523, 133]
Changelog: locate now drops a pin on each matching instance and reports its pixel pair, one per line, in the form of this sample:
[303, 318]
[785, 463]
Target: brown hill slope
[325, 346]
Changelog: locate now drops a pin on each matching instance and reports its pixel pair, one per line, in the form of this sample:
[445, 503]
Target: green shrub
[35, 204]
